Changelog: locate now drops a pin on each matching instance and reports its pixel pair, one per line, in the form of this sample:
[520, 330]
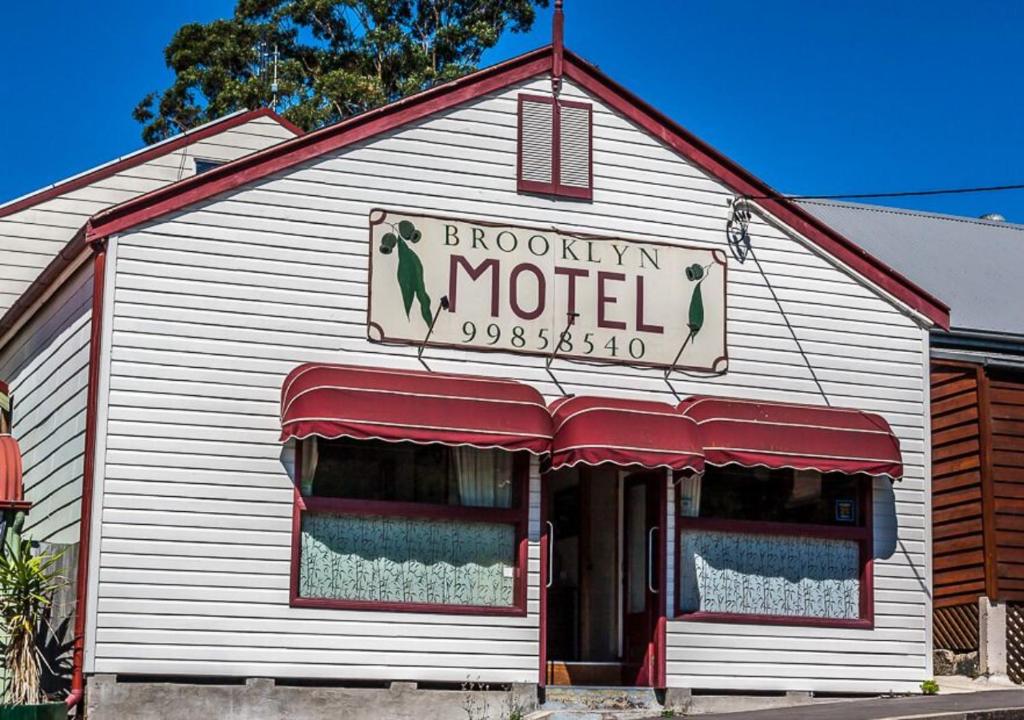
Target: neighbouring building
[46, 299]
[513, 383]
[977, 416]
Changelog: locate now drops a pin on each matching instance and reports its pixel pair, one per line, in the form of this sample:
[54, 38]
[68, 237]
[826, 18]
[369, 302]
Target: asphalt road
[988, 705]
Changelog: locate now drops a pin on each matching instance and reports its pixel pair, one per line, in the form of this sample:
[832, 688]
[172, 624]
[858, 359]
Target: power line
[904, 193]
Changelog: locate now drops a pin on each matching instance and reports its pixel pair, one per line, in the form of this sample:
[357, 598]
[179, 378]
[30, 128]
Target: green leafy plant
[410, 268]
[322, 60]
[27, 585]
[930, 687]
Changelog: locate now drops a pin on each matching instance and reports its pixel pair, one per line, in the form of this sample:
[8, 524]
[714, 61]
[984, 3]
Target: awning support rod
[571, 320]
[430, 331]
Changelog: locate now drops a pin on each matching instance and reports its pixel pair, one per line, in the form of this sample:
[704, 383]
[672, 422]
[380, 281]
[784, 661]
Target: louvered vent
[554, 146]
[574, 168]
[537, 126]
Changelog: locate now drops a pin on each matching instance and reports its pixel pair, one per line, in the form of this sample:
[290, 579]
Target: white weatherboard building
[295, 478]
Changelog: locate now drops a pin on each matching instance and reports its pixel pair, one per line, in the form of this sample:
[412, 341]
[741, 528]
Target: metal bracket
[571, 318]
[443, 305]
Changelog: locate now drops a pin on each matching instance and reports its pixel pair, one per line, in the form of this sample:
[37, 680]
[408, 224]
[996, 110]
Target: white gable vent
[554, 147]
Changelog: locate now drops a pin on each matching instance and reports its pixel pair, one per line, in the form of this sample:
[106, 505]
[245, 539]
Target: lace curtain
[730, 572]
[394, 559]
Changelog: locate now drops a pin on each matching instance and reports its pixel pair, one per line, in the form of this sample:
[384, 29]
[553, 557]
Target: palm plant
[27, 585]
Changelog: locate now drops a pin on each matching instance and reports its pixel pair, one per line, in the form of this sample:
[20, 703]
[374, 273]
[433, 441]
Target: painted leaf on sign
[410, 268]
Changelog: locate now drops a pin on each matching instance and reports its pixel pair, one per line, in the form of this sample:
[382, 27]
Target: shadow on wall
[886, 522]
[58, 637]
[887, 541]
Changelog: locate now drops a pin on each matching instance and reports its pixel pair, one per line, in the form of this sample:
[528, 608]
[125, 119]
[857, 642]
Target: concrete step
[592, 714]
[613, 699]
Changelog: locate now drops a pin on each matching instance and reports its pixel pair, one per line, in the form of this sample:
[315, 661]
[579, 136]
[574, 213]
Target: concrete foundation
[263, 699]
[992, 637]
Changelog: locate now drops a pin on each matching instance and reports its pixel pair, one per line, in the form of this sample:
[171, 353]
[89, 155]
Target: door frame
[655, 561]
[658, 679]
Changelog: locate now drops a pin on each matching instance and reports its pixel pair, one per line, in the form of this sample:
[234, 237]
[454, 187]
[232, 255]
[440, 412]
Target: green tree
[336, 58]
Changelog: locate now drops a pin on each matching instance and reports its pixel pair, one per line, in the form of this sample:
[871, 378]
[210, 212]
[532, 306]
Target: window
[205, 165]
[410, 527]
[784, 546]
[555, 141]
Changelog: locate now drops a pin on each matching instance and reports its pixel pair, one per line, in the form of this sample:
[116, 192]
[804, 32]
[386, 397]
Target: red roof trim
[155, 151]
[316, 143]
[61, 261]
[745, 183]
[415, 107]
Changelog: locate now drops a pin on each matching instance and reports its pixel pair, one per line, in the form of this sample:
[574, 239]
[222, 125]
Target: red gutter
[85, 525]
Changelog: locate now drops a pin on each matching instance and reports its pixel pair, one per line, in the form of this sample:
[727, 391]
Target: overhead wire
[895, 194]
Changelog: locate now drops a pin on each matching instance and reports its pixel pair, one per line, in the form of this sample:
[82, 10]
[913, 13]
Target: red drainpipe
[99, 248]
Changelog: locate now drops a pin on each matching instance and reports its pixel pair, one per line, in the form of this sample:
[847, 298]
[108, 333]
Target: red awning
[802, 437]
[595, 430]
[333, 401]
[11, 494]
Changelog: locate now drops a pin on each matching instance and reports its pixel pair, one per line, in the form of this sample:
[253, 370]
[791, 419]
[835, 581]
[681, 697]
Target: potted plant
[27, 585]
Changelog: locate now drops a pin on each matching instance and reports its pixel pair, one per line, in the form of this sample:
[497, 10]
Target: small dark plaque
[846, 510]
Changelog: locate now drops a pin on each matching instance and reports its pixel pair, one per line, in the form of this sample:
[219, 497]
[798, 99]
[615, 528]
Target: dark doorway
[593, 634]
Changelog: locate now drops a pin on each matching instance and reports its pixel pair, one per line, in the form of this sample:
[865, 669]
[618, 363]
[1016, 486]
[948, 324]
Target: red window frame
[863, 535]
[517, 515]
[555, 187]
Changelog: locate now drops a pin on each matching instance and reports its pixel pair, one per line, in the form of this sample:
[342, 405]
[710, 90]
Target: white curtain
[806, 488]
[689, 495]
[310, 457]
[484, 476]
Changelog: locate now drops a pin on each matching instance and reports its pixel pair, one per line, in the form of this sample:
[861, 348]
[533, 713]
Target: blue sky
[813, 97]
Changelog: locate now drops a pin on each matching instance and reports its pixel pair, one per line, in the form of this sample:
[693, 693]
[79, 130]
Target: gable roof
[971, 263]
[360, 127]
[189, 137]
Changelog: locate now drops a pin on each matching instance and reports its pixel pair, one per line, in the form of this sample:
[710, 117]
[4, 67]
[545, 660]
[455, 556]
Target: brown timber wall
[1006, 397]
[957, 478]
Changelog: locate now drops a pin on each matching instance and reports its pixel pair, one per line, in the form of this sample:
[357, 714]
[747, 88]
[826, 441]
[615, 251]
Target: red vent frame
[555, 187]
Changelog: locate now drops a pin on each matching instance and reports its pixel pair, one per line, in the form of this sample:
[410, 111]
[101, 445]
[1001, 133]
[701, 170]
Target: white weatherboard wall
[47, 368]
[30, 238]
[215, 305]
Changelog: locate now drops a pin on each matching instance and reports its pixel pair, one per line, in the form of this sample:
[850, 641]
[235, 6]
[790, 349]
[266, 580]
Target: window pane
[729, 572]
[759, 494]
[392, 559]
[407, 472]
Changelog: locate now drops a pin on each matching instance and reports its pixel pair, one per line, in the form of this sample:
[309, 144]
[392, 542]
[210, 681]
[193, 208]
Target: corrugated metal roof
[974, 266]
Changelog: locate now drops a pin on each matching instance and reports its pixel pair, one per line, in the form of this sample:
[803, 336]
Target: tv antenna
[273, 84]
[267, 63]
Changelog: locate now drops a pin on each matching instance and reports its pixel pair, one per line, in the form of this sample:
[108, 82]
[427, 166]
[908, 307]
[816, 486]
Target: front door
[642, 582]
